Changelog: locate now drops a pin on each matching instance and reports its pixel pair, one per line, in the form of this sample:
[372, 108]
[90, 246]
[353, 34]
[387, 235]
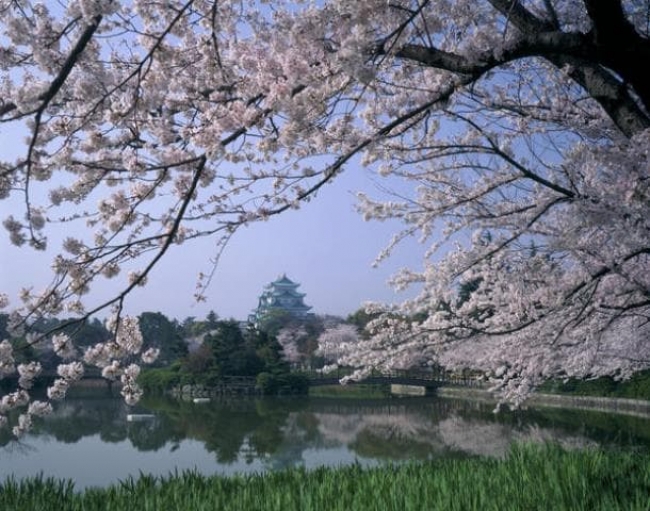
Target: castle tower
[281, 296]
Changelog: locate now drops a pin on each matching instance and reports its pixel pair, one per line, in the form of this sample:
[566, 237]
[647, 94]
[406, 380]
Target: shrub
[159, 380]
[637, 387]
[267, 383]
[282, 383]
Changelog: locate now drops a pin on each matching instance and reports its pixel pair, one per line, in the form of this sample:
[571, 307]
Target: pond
[91, 440]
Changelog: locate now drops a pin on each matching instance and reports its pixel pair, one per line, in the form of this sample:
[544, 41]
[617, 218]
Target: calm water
[91, 442]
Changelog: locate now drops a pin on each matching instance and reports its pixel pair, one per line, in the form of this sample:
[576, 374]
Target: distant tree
[324, 321]
[211, 320]
[47, 324]
[4, 324]
[269, 352]
[299, 336]
[81, 332]
[291, 338]
[187, 327]
[198, 363]
[275, 320]
[337, 341]
[158, 331]
[91, 332]
[193, 328]
[234, 353]
[360, 318]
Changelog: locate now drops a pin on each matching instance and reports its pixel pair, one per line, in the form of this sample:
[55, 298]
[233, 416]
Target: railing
[225, 386]
[424, 377]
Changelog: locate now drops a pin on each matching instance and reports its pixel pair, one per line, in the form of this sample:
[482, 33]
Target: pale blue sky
[326, 246]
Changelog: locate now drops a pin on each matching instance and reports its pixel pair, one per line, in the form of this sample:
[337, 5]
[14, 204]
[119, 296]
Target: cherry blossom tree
[518, 130]
[540, 190]
[335, 342]
[290, 338]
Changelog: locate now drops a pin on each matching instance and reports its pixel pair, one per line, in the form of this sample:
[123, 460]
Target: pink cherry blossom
[514, 135]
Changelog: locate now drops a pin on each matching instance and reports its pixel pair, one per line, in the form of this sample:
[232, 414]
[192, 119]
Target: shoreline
[623, 406]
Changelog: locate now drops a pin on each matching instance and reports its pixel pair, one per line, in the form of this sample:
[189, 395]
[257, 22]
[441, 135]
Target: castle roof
[281, 295]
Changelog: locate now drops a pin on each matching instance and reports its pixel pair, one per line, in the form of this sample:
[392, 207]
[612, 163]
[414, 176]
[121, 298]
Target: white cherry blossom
[514, 133]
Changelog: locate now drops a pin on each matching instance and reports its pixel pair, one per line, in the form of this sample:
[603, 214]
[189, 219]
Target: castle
[280, 296]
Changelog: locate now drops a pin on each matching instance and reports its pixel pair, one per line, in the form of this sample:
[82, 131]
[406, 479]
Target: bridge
[400, 383]
[377, 380]
[410, 382]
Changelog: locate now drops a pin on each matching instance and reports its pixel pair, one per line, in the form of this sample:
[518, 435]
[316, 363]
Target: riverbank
[530, 477]
[635, 407]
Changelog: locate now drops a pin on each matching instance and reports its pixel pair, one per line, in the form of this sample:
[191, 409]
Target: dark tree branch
[618, 46]
[609, 92]
[550, 9]
[608, 20]
[561, 49]
[521, 17]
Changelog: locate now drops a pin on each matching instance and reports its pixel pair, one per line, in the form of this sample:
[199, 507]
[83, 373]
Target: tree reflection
[250, 427]
[282, 432]
[147, 436]
[374, 445]
[78, 418]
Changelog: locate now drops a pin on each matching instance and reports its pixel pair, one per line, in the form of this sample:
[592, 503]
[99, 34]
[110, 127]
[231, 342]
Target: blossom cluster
[110, 356]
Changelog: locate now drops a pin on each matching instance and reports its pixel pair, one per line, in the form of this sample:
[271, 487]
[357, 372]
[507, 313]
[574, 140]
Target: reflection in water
[254, 435]
[485, 439]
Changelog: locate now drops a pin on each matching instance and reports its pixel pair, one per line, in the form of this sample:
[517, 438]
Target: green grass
[530, 478]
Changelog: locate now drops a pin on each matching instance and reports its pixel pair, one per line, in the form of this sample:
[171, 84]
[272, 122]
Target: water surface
[91, 442]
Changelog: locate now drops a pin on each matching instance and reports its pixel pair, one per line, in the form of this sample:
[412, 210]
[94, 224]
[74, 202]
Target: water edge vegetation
[530, 477]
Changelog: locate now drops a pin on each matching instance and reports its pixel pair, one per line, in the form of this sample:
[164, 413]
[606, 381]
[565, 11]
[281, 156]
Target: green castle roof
[281, 295]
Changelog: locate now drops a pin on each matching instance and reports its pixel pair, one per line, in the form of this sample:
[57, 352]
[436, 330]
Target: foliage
[637, 387]
[212, 320]
[293, 341]
[190, 327]
[83, 332]
[198, 362]
[299, 338]
[283, 383]
[233, 353]
[4, 324]
[162, 334]
[275, 320]
[228, 350]
[160, 380]
[269, 351]
[531, 477]
[361, 318]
